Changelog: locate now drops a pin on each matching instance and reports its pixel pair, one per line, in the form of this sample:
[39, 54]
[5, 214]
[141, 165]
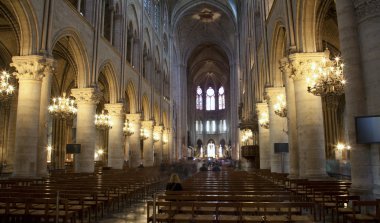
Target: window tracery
[210, 99]
[199, 101]
[221, 98]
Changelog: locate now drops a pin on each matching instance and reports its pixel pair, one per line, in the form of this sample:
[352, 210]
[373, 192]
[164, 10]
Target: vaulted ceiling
[204, 34]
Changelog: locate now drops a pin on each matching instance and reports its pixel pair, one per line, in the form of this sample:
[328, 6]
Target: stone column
[291, 118]
[311, 142]
[148, 156]
[86, 98]
[263, 138]
[361, 174]
[368, 20]
[330, 117]
[11, 142]
[158, 152]
[44, 120]
[165, 146]
[30, 72]
[59, 141]
[115, 139]
[126, 150]
[5, 109]
[277, 131]
[134, 139]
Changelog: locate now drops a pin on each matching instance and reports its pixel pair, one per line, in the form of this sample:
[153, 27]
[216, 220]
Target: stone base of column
[83, 166]
[24, 175]
[116, 164]
[293, 176]
[318, 177]
[148, 163]
[42, 174]
[364, 193]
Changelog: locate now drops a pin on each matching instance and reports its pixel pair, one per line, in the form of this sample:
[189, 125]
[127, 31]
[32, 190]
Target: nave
[138, 195]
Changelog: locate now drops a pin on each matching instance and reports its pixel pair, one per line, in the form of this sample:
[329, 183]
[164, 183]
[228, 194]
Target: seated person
[216, 168]
[203, 168]
[174, 183]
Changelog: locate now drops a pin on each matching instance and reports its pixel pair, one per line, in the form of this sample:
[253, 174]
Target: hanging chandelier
[280, 106]
[103, 121]
[144, 134]
[6, 88]
[246, 135]
[165, 139]
[63, 107]
[264, 120]
[326, 77]
[127, 129]
[156, 137]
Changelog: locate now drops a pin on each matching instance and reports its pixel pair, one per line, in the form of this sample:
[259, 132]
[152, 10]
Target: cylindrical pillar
[115, 139]
[165, 146]
[59, 143]
[310, 129]
[44, 119]
[157, 132]
[134, 139]
[86, 98]
[277, 131]
[361, 175]
[30, 71]
[148, 156]
[368, 19]
[291, 118]
[263, 138]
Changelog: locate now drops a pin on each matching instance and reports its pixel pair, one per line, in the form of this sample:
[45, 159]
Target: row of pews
[75, 197]
[260, 196]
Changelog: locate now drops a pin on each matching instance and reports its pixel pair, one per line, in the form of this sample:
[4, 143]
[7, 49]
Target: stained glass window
[210, 99]
[199, 101]
[222, 99]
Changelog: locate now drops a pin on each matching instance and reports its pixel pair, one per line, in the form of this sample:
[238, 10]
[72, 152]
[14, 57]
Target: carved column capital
[116, 110]
[135, 118]
[86, 95]
[301, 63]
[148, 128]
[366, 9]
[261, 107]
[147, 125]
[272, 92]
[286, 67]
[158, 129]
[166, 131]
[32, 67]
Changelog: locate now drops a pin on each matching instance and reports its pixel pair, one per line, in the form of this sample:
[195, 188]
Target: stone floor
[137, 213]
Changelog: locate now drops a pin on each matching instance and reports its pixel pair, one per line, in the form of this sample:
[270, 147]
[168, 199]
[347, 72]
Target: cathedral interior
[277, 91]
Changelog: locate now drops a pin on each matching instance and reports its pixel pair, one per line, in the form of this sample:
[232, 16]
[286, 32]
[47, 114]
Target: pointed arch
[26, 26]
[79, 53]
[132, 98]
[277, 52]
[145, 107]
[133, 18]
[147, 39]
[306, 25]
[109, 71]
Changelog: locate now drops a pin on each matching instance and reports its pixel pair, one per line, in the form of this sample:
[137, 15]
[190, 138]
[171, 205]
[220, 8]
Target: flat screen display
[281, 147]
[73, 148]
[367, 129]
